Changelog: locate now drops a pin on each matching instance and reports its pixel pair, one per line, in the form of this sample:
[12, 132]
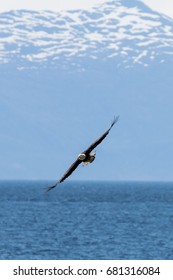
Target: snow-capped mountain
[114, 31]
[117, 60]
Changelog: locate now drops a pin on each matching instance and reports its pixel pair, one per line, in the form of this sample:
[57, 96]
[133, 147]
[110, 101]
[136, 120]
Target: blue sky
[161, 6]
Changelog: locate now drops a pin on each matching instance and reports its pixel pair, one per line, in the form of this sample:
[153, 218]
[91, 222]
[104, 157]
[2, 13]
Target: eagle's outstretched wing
[86, 152]
[67, 173]
[100, 139]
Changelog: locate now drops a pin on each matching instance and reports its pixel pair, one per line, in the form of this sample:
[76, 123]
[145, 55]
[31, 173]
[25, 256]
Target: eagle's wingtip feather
[51, 187]
[114, 121]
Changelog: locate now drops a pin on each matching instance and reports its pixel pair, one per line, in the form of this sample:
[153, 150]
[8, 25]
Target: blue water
[86, 220]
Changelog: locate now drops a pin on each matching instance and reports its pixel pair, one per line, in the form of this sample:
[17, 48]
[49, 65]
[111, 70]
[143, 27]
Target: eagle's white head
[81, 157]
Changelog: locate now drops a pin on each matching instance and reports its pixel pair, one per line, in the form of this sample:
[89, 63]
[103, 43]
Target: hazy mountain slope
[63, 78]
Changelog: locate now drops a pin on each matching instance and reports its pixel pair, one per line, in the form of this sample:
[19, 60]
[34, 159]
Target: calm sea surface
[86, 220]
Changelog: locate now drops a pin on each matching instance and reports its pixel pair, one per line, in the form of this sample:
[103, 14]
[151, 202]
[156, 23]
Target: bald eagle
[86, 157]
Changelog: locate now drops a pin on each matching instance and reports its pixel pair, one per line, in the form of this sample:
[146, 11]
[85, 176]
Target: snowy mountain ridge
[126, 35]
[117, 60]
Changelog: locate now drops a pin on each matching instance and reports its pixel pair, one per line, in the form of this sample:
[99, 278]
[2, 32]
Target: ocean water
[86, 220]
